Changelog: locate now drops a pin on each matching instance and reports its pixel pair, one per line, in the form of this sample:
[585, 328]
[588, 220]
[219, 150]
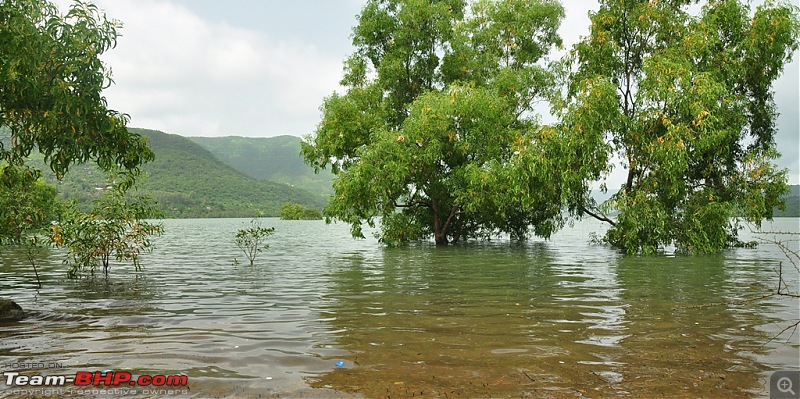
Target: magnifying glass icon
[784, 385]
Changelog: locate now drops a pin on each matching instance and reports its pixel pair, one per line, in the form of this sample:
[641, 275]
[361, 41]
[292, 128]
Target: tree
[251, 240]
[27, 204]
[684, 102]
[436, 134]
[116, 227]
[292, 211]
[27, 207]
[51, 79]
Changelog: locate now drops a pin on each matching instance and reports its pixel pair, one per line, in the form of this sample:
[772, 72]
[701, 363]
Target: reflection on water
[557, 318]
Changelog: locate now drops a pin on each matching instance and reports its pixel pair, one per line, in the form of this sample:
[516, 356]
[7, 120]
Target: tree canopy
[684, 103]
[292, 211]
[435, 133]
[26, 204]
[51, 82]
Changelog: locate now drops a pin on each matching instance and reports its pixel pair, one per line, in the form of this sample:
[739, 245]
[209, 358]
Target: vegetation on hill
[188, 181]
[792, 203]
[269, 158]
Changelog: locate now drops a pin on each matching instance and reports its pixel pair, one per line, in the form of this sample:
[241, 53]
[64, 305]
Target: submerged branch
[600, 217]
[792, 327]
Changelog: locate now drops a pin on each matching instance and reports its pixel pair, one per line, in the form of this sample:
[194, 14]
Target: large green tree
[436, 134]
[683, 102]
[51, 82]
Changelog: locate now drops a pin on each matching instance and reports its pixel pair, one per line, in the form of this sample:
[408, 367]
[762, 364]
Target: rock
[10, 311]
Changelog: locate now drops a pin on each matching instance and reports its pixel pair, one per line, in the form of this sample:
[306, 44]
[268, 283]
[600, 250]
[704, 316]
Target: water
[558, 318]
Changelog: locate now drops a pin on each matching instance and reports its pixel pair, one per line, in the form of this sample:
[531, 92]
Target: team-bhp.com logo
[98, 382]
[97, 378]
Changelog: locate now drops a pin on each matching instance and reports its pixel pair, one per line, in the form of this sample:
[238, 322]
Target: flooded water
[323, 315]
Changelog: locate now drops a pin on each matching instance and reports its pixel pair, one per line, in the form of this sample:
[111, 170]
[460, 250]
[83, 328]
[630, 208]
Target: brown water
[558, 318]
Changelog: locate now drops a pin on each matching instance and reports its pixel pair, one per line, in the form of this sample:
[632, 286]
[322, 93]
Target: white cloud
[181, 74]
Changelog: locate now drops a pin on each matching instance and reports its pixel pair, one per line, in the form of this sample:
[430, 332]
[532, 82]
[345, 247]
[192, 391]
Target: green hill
[792, 203]
[269, 158]
[190, 182]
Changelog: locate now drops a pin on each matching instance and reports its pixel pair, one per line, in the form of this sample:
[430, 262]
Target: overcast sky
[262, 67]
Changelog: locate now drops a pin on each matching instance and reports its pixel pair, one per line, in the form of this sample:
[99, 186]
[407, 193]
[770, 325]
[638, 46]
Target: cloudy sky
[262, 67]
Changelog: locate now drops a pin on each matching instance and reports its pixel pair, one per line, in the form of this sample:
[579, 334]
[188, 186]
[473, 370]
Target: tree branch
[601, 217]
[412, 204]
[453, 212]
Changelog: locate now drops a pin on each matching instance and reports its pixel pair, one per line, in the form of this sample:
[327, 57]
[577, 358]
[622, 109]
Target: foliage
[276, 159]
[116, 227]
[27, 207]
[27, 204]
[51, 80]
[436, 134]
[251, 240]
[292, 211]
[684, 102]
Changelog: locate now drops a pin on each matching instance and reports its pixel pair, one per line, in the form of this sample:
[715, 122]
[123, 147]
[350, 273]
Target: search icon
[785, 385]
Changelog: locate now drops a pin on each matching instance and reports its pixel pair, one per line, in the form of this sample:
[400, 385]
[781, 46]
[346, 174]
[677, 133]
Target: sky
[261, 68]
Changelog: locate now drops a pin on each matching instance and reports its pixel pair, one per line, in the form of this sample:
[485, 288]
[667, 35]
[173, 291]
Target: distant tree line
[292, 211]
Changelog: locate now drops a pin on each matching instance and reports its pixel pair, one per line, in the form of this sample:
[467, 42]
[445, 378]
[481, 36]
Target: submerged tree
[684, 102]
[293, 211]
[436, 134]
[115, 228]
[252, 240]
[27, 206]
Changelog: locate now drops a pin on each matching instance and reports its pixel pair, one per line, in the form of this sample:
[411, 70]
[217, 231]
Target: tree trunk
[439, 230]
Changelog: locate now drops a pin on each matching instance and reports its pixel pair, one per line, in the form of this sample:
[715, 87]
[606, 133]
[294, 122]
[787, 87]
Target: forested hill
[269, 158]
[792, 203]
[188, 181]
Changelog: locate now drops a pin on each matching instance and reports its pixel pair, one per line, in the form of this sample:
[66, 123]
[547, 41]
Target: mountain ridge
[188, 181]
[269, 158]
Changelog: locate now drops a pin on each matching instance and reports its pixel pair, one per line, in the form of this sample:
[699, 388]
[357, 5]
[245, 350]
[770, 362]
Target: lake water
[556, 318]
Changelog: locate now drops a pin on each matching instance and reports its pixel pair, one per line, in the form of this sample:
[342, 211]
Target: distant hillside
[269, 158]
[190, 182]
[792, 203]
